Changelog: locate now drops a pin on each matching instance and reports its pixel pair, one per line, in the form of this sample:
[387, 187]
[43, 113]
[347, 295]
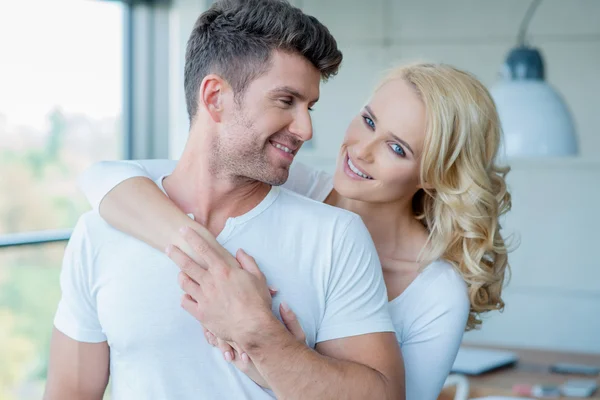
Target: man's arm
[79, 353]
[360, 367]
[76, 370]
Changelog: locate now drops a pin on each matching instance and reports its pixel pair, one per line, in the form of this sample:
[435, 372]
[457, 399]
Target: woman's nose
[364, 150]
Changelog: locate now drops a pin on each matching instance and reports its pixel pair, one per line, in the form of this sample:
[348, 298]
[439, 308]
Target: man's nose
[302, 126]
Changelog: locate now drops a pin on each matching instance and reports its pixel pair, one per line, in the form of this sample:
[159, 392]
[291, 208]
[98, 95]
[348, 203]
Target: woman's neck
[397, 234]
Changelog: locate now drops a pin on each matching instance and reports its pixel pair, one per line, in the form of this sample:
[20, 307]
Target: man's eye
[286, 102]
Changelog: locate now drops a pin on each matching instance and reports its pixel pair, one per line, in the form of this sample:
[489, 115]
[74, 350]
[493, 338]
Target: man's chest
[139, 302]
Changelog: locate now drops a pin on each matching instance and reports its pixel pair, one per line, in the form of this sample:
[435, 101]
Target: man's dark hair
[236, 38]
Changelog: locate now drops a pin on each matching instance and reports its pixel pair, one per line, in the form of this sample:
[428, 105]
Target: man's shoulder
[94, 231]
[104, 248]
[91, 223]
[341, 228]
[304, 208]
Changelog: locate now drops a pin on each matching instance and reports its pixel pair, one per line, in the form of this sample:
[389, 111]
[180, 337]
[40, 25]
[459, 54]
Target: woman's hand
[233, 354]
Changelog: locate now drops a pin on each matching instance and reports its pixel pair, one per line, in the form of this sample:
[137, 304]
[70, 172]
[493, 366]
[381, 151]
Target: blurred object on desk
[533, 368]
[475, 361]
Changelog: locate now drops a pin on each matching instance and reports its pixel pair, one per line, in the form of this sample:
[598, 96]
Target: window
[60, 105]
[62, 66]
[29, 293]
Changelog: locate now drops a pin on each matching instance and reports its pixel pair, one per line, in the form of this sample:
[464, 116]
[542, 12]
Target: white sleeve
[103, 176]
[434, 339]
[356, 297]
[308, 181]
[77, 316]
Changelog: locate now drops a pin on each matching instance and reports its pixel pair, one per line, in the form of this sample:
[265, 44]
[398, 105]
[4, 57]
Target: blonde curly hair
[465, 190]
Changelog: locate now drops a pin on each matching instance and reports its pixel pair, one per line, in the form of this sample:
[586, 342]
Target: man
[252, 74]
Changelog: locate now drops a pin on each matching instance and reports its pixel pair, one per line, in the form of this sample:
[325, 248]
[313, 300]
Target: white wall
[553, 300]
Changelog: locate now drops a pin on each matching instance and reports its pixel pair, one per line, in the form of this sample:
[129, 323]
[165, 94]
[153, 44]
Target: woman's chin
[348, 189]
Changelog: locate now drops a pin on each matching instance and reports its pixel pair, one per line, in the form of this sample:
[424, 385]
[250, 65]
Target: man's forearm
[294, 371]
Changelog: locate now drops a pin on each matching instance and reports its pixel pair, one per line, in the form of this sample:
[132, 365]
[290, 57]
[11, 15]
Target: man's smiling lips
[286, 150]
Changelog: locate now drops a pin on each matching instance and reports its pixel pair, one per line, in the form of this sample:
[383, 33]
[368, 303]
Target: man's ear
[210, 96]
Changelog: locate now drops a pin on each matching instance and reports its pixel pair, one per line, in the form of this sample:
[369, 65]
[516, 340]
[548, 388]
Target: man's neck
[210, 197]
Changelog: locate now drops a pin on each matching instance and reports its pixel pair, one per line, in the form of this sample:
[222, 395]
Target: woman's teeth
[356, 170]
[280, 147]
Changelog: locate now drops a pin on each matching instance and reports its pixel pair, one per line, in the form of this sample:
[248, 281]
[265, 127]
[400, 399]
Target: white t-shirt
[429, 316]
[117, 289]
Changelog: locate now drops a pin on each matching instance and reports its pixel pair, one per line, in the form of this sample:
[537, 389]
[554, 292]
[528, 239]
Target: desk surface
[532, 368]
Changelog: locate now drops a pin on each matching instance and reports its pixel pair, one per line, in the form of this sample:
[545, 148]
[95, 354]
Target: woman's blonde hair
[465, 189]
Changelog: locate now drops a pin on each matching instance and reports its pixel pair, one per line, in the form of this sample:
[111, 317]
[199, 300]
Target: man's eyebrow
[391, 134]
[293, 92]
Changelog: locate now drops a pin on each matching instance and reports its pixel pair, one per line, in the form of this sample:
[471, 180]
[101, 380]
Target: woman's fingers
[245, 358]
[226, 350]
[210, 338]
[291, 322]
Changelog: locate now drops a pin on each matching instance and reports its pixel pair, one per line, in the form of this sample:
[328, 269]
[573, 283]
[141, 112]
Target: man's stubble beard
[240, 157]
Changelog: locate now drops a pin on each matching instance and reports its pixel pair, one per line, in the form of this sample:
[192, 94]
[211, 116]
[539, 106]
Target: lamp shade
[535, 119]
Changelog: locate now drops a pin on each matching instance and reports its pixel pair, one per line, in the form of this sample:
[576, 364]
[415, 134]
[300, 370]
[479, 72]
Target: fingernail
[273, 289]
[285, 306]
[245, 357]
[183, 229]
[228, 356]
[168, 249]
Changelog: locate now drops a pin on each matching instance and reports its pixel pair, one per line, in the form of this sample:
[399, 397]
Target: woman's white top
[429, 316]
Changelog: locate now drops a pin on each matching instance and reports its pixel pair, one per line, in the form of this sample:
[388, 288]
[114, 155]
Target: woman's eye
[396, 148]
[369, 122]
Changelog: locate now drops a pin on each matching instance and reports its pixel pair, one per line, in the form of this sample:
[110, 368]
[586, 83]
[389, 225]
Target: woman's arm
[126, 196]
[139, 208]
[99, 179]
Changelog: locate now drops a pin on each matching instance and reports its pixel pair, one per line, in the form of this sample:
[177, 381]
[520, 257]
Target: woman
[418, 165]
